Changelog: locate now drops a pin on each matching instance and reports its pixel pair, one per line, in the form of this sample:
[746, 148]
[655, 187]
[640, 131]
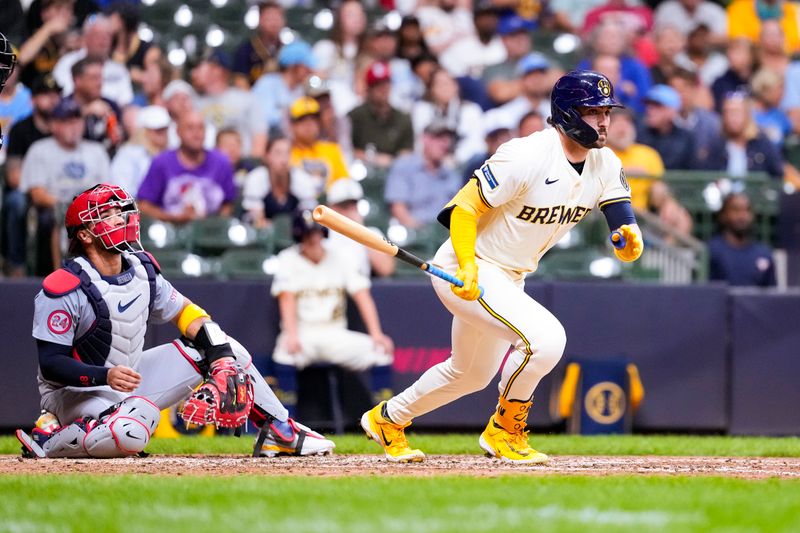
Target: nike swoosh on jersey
[122, 308]
[548, 182]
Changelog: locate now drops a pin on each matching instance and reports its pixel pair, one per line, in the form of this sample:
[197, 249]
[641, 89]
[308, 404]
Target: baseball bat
[341, 224]
[617, 240]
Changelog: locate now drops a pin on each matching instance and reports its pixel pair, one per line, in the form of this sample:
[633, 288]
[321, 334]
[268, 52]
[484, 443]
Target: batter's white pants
[482, 332]
[332, 344]
[169, 373]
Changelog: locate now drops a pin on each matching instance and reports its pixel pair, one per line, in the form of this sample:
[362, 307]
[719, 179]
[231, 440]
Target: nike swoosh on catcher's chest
[548, 182]
[122, 308]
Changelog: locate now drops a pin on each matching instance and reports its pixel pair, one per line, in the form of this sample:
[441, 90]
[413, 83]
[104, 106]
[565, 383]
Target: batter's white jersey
[537, 197]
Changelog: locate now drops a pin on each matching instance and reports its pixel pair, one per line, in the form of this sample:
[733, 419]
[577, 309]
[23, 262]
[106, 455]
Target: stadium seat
[282, 232]
[184, 264]
[159, 235]
[212, 236]
[247, 263]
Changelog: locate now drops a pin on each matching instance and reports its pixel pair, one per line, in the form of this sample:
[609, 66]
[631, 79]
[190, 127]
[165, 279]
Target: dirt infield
[366, 465]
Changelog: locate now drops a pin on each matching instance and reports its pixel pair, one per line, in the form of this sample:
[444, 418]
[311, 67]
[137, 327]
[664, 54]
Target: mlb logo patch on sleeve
[490, 179]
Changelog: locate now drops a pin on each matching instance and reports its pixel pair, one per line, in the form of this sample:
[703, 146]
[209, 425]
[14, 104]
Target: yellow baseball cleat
[509, 447]
[390, 436]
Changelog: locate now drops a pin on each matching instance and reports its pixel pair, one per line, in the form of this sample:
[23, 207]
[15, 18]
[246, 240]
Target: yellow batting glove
[628, 245]
[469, 275]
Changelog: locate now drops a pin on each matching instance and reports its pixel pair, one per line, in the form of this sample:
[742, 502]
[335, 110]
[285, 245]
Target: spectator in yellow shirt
[319, 163]
[641, 163]
[745, 18]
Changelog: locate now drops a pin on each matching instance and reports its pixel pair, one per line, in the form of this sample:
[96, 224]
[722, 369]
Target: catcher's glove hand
[224, 399]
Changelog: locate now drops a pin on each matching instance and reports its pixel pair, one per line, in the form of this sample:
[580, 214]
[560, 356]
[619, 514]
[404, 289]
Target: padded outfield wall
[712, 359]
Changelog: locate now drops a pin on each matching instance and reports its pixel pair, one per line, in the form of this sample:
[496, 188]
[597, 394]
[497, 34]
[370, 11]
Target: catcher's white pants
[333, 344]
[482, 332]
[169, 373]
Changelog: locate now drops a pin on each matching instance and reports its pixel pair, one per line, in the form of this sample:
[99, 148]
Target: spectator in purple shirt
[188, 183]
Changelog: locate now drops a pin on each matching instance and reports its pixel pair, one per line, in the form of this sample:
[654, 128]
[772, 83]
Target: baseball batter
[517, 206]
[104, 391]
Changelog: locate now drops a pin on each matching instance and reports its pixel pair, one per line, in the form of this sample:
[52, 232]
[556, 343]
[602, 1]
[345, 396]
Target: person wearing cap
[471, 55]
[270, 190]
[658, 130]
[56, 169]
[312, 283]
[259, 54]
[535, 74]
[226, 106]
[343, 197]
[131, 162]
[502, 80]
[97, 42]
[378, 131]
[178, 97]
[417, 184]
[275, 91]
[317, 162]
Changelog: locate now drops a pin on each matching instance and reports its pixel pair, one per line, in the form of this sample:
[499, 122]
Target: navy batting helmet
[579, 88]
[303, 224]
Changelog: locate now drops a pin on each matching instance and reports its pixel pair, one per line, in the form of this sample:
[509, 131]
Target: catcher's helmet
[303, 224]
[90, 210]
[7, 60]
[579, 88]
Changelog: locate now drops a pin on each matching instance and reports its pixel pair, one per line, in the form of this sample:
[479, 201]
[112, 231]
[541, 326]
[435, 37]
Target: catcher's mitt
[224, 399]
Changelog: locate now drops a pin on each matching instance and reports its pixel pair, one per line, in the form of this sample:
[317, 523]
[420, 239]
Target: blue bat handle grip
[439, 273]
[620, 244]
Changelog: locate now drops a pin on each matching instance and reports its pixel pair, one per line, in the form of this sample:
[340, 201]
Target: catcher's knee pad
[124, 429]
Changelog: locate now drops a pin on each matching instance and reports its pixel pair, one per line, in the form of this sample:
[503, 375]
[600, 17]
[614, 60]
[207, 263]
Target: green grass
[396, 504]
[468, 444]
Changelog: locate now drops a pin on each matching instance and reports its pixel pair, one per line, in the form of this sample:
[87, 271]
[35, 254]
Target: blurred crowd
[268, 125]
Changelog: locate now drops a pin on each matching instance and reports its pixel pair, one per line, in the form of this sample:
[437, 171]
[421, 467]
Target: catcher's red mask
[109, 213]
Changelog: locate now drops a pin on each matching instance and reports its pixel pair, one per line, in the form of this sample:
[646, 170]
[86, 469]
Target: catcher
[102, 394]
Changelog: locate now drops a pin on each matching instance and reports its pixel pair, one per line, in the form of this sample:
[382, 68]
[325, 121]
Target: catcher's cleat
[32, 444]
[509, 447]
[298, 440]
[390, 436]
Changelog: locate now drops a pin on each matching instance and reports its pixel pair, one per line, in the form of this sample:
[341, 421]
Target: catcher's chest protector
[122, 306]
